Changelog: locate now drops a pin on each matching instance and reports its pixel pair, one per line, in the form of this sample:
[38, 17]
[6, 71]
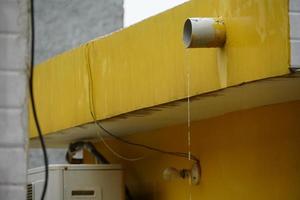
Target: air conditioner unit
[77, 182]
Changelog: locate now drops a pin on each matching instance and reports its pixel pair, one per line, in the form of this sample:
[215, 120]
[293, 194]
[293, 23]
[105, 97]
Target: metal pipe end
[204, 32]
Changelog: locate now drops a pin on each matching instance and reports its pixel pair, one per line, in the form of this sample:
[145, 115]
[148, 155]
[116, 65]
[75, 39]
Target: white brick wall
[13, 106]
[295, 32]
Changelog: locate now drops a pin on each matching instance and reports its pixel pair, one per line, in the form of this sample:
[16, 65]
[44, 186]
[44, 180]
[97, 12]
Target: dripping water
[188, 79]
[188, 115]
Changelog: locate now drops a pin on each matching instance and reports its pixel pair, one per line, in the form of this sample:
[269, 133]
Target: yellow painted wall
[251, 154]
[146, 64]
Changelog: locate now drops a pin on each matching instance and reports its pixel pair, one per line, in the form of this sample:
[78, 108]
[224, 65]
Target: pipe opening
[187, 33]
[204, 33]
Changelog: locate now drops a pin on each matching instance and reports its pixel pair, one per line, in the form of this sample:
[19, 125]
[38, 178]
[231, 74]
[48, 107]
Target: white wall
[295, 32]
[14, 50]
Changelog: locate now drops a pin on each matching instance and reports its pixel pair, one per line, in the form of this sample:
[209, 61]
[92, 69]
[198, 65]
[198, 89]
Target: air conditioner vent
[29, 192]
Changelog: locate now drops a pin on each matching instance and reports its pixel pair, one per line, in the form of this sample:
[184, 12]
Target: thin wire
[116, 153]
[178, 154]
[35, 117]
[92, 112]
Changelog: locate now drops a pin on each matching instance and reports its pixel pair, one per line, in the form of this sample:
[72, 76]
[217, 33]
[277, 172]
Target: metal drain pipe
[204, 32]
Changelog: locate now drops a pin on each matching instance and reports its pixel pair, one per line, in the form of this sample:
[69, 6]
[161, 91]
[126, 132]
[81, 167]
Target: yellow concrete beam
[146, 64]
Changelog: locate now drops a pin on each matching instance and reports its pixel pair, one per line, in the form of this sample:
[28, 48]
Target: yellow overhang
[147, 65]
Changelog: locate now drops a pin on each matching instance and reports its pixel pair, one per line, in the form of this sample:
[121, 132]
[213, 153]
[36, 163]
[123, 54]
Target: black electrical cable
[33, 104]
[178, 154]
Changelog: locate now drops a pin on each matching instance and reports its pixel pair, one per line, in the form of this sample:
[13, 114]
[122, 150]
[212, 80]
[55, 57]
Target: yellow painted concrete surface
[61, 92]
[251, 154]
[146, 64]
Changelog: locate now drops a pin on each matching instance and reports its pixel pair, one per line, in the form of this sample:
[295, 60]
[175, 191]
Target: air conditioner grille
[29, 192]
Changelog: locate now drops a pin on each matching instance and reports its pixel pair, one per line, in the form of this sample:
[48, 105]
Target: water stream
[188, 79]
